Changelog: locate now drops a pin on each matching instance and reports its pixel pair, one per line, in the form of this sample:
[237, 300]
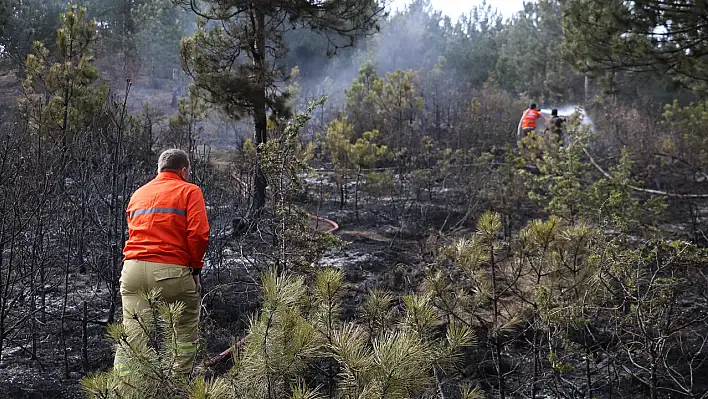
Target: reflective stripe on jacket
[529, 118]
[167, 223]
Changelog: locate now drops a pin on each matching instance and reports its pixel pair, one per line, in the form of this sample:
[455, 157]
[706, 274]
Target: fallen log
[640, 189]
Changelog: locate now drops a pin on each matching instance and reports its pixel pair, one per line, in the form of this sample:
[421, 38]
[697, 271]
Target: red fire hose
[334, 225]
[223, 355]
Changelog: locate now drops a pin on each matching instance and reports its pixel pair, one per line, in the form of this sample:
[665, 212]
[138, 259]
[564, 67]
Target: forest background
[467, 262]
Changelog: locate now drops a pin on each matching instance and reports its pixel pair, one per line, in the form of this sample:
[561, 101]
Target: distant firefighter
[529, 120]
[557, 125]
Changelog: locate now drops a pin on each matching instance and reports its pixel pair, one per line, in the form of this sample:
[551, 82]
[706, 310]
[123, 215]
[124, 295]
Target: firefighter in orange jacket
[168, 235]
[529, 120]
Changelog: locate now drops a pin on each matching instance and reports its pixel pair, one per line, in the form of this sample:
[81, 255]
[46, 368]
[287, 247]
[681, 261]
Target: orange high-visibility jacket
[529, 118]
[167, 223]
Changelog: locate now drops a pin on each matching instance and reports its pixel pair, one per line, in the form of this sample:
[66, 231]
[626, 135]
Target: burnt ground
[37, 370]
[380, 252]
[43, 376]
[376, 255]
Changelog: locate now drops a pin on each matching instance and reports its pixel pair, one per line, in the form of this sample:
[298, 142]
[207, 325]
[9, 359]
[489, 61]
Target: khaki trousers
[177, 285]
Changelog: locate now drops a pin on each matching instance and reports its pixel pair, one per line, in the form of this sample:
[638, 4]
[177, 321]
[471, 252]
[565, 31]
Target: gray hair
[173, 159]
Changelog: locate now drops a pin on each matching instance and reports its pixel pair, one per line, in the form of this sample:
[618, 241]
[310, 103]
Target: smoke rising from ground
[400, 45]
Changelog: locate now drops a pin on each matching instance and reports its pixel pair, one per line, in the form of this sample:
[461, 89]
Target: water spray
[568, 111]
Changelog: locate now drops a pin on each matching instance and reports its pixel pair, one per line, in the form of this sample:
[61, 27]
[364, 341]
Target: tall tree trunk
[259, 113]
[588, 373]
[536, 363]
[495, 323]
[84, 339]
[653, 379]
[356, 193]
[3, 301]
[64, 303]
[33, 302]
[35, 261]
[82, 228]
[116, 230]
[259, 194]
[341, 195]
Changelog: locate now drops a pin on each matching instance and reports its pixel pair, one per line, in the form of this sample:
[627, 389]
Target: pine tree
[159, 26]
[237, 64]
[60, 91]
[362, 99]
[24, 22]
[151, 361]
[296, 332]
[563, 262]
[399, 106]
[652, 289]
[184, 128]
[476, 290]
[667, 37]
[348, 154]
[118, 30]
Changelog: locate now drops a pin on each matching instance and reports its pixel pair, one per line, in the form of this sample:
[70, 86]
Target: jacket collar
[168, 175]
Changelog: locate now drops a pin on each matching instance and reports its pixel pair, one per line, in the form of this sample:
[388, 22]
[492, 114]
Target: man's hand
[198, 282]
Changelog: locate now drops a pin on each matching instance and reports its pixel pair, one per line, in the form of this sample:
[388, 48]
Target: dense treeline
[526, 54]
[523, 268]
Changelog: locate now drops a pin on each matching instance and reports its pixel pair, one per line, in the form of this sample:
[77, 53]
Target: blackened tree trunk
[259, 188]
[259, 111]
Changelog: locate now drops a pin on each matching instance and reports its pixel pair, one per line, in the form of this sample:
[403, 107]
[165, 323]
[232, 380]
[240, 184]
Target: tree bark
[259, 114]
[84, 339]
[495, 324]
[536, 363]
[356, 193]
[64, 304]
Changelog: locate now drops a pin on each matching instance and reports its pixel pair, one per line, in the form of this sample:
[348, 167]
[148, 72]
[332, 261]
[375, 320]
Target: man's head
[174, 160]
[554, 112]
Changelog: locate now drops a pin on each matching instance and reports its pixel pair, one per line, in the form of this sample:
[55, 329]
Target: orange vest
[529, 118]
[167, 223]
